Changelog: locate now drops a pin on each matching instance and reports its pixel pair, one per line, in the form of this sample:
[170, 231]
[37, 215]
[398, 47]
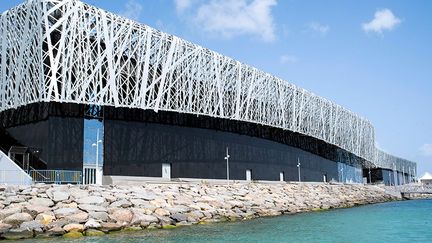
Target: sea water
[404, 221]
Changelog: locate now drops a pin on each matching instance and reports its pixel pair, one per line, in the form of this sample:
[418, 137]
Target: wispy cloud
[287, 59]
[383, 20]
[182, 5]
[318, 28]
[231, 18]
[132, 10]
[426, 149]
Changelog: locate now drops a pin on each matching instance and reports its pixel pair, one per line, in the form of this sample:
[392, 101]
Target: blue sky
[373, 57]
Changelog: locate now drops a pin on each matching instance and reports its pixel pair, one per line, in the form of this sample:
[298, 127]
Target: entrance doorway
[282, 176]
[248, 175]
[166, 171]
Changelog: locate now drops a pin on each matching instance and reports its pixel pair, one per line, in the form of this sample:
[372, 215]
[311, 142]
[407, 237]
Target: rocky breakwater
[54, 210]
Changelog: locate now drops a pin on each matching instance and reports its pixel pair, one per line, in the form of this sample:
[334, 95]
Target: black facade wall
[293, 139]
[137, 142]
[59, 140]
[139, 149]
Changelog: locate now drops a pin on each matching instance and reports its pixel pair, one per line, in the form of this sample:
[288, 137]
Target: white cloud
[426, 149]
[287, 59]
[319, 28]
[384, 20]
[182, 5]
[237, 17]
[132, 10]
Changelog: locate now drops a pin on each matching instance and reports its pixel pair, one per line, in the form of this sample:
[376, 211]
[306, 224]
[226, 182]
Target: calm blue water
[406, 221]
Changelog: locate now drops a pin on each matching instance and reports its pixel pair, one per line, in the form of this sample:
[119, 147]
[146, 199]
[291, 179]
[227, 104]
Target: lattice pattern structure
[68, 51]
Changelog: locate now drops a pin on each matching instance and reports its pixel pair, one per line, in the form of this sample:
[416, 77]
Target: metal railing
[56, 176]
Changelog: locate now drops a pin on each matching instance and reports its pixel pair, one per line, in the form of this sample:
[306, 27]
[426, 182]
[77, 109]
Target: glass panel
[93, 132]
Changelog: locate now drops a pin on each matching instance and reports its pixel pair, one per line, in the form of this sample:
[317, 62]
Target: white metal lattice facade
[68, 51]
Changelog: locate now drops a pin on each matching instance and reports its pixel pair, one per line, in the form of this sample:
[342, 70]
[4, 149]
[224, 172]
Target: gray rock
[92, 208]
[121, 204]
[107, 227]
[58, 223]
[162, 212]
[79, 217]
[18, 218]
[7, 212]
[178, 209]
[138, 202]
[56, 231]
[92, 224]
[78, 193]
[63, 212]
[165, 220]
[14, 199]
[139, 218]
[179, 217]
[16, 234]
[101, 216]
[41, 202]
[32, 225]
[121, 216]
[60, 196]
[34, 210]
[91, 200]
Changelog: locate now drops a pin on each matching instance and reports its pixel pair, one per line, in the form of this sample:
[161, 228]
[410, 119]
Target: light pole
[342, 178]
[227, 164]
[370, 177]
[98, 177]
[298, 167]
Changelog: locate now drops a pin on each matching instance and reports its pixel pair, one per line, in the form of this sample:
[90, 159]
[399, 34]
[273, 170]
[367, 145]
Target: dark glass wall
[137, 142]
[54, 130]
[59, 141]
[139, 149]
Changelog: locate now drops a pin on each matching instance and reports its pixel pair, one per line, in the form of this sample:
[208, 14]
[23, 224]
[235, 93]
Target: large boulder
[140, 218]
[34, 210]
[41, 202]
[55, 231]
[7, 212]
[79, 217]
[121, 204]
[78, 193]
[92, 224]
[18, 218]
[162, 212]
[91, 200]
[59, 196]
[17, 234]
[63, 212]
[101, 216]
[122, 216]
[32, 225]
[45, 218]
[73, 227]
[179, 217]
[107, 227]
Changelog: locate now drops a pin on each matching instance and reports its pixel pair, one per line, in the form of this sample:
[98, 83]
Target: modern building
[75, 79]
